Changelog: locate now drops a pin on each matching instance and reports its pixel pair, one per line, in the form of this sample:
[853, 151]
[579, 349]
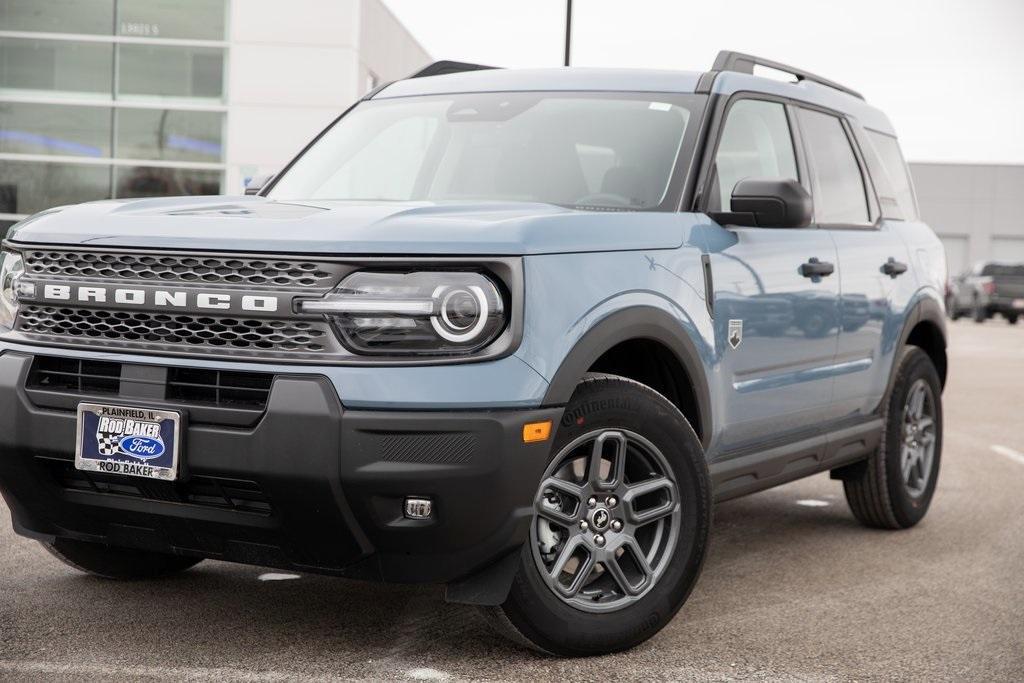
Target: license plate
[137, 442]
[1018, 303]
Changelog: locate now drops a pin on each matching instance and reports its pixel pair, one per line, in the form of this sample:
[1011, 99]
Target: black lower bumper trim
[309, 487]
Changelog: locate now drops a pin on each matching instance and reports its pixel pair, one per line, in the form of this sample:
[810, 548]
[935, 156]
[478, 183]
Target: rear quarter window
[895, 168]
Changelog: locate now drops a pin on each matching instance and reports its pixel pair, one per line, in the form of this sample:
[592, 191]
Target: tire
[653, 434]
[120, 564]
[978, 312]
[880, 496]
[1012, 318]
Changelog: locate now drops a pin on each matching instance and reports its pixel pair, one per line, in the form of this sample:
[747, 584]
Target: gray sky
[949, 73]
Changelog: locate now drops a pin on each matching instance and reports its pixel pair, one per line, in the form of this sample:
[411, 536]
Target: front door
[776, 295]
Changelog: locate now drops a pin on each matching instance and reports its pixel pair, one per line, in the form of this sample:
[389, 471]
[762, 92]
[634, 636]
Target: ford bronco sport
[511, 331]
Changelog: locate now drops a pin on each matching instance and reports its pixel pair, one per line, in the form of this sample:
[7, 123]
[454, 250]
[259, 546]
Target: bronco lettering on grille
[160, 298]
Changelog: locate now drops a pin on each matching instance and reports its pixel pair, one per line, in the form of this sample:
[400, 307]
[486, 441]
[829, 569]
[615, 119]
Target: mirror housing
[258, 182]
[769, 203]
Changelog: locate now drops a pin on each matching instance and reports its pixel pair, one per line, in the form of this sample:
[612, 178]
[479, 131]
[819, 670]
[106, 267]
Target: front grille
[194, 386]
[72, 375]
[130, 328]
[156, 268]
[217, 492]
[219, 387]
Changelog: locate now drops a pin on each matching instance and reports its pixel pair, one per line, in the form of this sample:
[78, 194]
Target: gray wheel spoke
[909, 460]
[637, 491]
[615, 568]
[582, 571]
[554, 514]
[618, 461]
[917, 402]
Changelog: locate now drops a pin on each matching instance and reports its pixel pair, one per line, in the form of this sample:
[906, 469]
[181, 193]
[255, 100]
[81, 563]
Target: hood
[258, 224]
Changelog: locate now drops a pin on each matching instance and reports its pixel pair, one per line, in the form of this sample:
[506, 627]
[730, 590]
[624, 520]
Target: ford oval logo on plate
[142, 447]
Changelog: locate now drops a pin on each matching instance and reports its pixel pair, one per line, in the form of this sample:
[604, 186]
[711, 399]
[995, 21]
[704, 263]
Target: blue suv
[511, 331]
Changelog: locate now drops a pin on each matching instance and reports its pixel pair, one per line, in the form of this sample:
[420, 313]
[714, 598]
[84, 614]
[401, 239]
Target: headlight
[418, 313]
[11, 268]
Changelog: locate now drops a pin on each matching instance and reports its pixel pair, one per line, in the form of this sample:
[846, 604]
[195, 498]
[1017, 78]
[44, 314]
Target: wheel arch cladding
[647, 345]
[927, 336]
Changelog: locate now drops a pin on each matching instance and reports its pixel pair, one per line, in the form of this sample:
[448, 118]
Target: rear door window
[839, 194]
[755, 143]
[888, 151]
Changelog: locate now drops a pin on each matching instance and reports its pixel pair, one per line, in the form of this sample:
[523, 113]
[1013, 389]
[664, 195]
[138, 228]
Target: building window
[143, 181]
[170, 71]
[112, 98]
[28, 187]
[58, 130]
[185, 19]
[73, 68]
[58, 16]
[170, 135]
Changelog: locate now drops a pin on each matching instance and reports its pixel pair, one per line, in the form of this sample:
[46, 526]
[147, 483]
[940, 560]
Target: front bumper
[308, 486]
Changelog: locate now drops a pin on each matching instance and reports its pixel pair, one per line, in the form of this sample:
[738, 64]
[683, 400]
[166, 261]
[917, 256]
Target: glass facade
[109, 98]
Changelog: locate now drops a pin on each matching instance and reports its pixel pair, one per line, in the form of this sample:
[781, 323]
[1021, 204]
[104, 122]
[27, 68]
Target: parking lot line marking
[272, 576]
[1016, 456]
[812, 503]
[120, 671]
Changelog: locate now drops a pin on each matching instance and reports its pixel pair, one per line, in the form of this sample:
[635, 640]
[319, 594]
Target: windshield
[588, 150]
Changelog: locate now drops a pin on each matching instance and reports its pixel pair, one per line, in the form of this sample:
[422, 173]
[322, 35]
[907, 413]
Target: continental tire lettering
[580, 414]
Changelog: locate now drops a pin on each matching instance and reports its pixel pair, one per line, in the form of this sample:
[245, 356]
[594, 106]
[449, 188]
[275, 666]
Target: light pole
[568, 30]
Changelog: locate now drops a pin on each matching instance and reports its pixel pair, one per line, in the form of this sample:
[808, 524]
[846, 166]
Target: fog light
[418, 508]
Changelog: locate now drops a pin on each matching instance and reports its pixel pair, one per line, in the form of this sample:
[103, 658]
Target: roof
[635, 80]
[555, 79]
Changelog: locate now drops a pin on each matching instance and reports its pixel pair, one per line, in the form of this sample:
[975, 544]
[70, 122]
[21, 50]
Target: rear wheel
[621, 525]
[117, 563]
[978, 312]
[896, 485]
[1011, 318]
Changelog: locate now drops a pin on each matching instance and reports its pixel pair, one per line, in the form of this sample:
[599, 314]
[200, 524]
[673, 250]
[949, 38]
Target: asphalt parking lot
[794, 589]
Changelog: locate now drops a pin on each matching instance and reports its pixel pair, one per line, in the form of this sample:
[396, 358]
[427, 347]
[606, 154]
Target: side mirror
[257, 183]
[769, 203]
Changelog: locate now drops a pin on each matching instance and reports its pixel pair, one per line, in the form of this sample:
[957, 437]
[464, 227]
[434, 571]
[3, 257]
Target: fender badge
[735, 333]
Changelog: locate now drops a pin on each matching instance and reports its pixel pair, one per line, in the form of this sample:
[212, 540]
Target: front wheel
[117, 563]
[895, 487]
[620, 529]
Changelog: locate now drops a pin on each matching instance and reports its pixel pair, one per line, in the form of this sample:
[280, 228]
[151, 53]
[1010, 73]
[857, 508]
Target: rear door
[875, 280]
[775, 329]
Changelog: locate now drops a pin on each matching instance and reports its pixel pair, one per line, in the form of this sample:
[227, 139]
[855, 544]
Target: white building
[974, 209]
[123, 98]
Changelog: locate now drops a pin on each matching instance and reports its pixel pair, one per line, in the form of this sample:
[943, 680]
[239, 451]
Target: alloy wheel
[606, 521]
[917, 451]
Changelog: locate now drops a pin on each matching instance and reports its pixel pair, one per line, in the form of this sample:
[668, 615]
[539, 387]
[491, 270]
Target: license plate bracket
[128, 440]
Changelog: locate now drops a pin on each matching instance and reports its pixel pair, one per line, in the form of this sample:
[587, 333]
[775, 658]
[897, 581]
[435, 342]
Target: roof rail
[445, 67]
[742, 63]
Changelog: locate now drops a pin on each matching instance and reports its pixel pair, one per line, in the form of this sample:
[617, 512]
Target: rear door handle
[894, 268]
[815, 268]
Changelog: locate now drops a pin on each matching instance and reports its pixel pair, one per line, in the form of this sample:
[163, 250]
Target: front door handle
[815, 268]
[894, 268]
